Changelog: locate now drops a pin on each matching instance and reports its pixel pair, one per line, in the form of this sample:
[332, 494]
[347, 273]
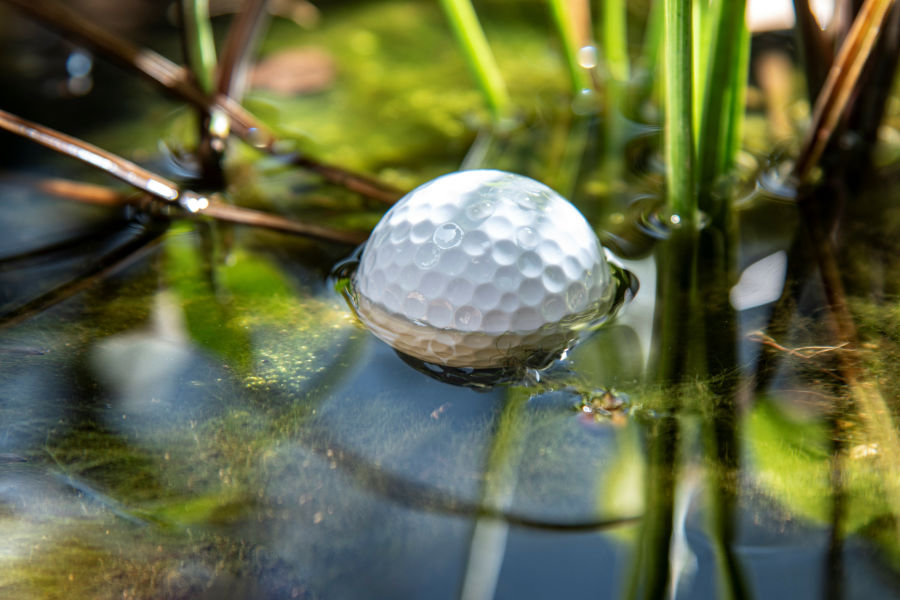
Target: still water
[192, 410]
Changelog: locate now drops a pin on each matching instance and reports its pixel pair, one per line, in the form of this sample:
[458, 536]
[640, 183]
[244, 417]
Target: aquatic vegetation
[188, 408]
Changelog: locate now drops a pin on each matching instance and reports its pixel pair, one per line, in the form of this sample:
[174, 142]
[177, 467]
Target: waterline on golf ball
[482, 269]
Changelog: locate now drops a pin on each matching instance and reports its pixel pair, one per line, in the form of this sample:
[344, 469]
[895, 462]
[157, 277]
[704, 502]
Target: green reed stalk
[199, 43]
[654, 32]
[700, 46]
[679, 139]
[731, 143]
[650, 571]
[475, 47]
[565, 26]
[679, 321]
[614, 39]
[724, 78]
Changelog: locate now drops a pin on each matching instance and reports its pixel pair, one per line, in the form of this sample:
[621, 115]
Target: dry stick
[817, 48]
[236, 51]
[174, 78]
[155, 185]
[841, 82]
[116, 166]
[221, 211]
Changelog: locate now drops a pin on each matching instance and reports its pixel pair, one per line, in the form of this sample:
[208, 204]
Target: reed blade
[199, 44]
[723, 77]
[679, 139]
[573, 36]
[475, 47]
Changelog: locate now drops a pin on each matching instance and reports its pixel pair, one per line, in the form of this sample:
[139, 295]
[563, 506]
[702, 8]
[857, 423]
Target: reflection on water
[315, 462]
[521, 361]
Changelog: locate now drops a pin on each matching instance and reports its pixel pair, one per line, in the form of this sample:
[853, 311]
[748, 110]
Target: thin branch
[842, 80]
[818, 54]
[236, 51]
[116, 166]
[175, 79]
[221, 211]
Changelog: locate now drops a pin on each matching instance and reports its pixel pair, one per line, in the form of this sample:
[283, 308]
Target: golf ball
[482, 269]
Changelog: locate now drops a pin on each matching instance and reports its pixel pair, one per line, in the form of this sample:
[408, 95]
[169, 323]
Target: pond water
[191, 410]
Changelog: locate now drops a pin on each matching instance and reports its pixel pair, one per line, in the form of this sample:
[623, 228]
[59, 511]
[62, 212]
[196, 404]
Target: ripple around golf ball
[481, 269]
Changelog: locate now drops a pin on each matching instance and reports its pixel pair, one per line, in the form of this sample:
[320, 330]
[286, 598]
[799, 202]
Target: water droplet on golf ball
[493, 268]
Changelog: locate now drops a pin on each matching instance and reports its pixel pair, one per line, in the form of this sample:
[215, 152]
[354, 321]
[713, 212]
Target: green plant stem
[676, 323]
[737, 102]
[723, 79]
[199, 44]
[474, 44]
[614, 38]
[679, 143]
[562, 18]
[654, 33]
[649, 577]
[721, 427]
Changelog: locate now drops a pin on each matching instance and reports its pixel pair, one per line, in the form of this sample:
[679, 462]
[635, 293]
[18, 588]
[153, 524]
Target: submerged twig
[842, 80]
[804, 352]
[175, 79]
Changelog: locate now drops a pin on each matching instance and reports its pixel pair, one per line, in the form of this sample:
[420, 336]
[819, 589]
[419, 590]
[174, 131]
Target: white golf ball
[482, 269]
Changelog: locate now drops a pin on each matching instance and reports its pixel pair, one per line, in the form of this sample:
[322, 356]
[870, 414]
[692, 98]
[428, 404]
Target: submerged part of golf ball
[482, 269]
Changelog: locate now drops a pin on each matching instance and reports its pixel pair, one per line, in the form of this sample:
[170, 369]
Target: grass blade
[572, 42]
[724, 76]
[200, 48]
[679, 142]
[477, 51]
[614, 39]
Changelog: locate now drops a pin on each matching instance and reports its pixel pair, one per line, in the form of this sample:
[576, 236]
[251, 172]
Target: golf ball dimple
[482, 269]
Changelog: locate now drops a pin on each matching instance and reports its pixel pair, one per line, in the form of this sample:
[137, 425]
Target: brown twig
[176, 80]
[840, 83]
[236, 51]
[818, 53]
[221, 211]
[116, 166]
[804, 352]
